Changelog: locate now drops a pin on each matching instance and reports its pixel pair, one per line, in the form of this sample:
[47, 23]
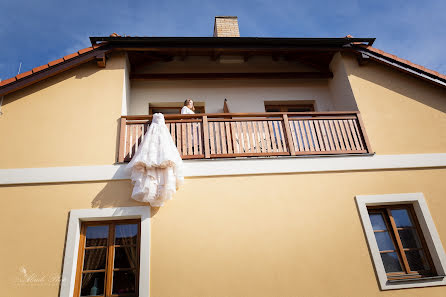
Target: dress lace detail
[156, 168]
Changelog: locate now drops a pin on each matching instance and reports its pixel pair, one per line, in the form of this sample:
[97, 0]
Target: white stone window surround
[427, 228]
[77, 216]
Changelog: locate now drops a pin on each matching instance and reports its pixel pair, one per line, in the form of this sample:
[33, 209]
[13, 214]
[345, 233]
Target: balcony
[231, 135]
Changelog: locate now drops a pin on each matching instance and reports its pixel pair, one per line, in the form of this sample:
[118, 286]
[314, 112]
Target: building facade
[315, 167]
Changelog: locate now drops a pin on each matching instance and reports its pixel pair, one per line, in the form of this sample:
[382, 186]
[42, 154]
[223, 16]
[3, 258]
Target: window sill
[419, 279]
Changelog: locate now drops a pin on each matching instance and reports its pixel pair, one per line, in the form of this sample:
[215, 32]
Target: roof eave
[251, 42]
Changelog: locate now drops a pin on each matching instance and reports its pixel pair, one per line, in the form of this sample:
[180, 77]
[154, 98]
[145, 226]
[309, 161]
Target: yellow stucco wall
[268, 235]
[402, 114]
[70, 119]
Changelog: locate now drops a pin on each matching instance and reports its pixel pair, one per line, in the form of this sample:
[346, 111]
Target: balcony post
[207, 153]
[288, 138]
[363, 134]
[122, 139]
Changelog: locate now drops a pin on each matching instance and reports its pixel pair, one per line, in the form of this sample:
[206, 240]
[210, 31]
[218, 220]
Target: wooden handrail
[219, 135]
[246, 115]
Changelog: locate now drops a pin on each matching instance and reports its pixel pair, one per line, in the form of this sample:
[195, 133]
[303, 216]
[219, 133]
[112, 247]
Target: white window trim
[427, 227]
[78, 216]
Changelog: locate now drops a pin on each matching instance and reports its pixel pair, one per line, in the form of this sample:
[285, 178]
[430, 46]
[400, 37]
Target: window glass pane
[401, 217]
[93, 284]
[96, 236]
[94, 259]
[409, 238]
[391, 262]
[417, 260]
[384, 241]
[124, 282]
[126, 234]
[377, 221]
[125, 257]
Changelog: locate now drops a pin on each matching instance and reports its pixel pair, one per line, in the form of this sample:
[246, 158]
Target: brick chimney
[226, 26]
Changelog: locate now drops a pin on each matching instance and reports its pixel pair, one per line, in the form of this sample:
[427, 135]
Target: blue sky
[36, 32]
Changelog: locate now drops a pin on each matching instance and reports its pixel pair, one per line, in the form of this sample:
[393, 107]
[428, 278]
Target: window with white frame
[107, 252]
[402, 238]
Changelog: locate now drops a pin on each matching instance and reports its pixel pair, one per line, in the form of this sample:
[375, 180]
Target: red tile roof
[403, 61]
[50, 64]
[81, 52]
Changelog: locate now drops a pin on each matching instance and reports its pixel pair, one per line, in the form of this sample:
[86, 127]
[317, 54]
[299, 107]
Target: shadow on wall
[402, 83]
[118, 194]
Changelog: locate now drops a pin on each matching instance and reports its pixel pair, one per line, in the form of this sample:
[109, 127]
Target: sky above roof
[35, 32]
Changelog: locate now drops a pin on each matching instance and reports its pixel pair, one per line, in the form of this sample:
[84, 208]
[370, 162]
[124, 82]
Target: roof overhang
[229, 42]
[400, 64]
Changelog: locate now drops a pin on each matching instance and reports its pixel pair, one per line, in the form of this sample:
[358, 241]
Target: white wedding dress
[156, 168]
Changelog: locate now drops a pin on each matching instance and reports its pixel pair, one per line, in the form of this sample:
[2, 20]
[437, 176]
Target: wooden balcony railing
[229, 135]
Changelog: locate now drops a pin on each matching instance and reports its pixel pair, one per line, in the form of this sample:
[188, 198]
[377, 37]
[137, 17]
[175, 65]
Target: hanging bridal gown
[156, 168]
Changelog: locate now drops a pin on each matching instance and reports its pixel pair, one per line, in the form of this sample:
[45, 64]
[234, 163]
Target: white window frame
[78, 216]
[427, 227]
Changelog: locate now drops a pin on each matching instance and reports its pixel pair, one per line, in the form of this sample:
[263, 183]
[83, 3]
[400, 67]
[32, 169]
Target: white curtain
[156, 168]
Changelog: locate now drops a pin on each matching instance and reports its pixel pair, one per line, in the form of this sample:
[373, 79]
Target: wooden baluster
[293, 135]
[267, 137]
[235, 140]
[240, 138]
[217, 138]
[172, 131]
[228, 137]
[183, 138]
[247, 147]
[313, 133]
[355, 136]
[300, 135]
[189, 139]
[277, 134]
[337, 137]
[223, 138]
[256, 135]
[319, 135]
[262, 137]
[344, 135]
[200, 141]
[309, 138]
[179, 145]
[330, 139]
[250, 137]
[212, 137]
[194, 138]
[324, 135]
[271, 136]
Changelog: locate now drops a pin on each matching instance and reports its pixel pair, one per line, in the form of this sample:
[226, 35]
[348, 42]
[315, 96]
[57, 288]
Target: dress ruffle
[157, 168]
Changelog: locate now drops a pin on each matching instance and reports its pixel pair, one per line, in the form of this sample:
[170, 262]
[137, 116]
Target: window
[108, 261]
[403, 241]
[401, 245]
[289, 106]
[173, 107]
